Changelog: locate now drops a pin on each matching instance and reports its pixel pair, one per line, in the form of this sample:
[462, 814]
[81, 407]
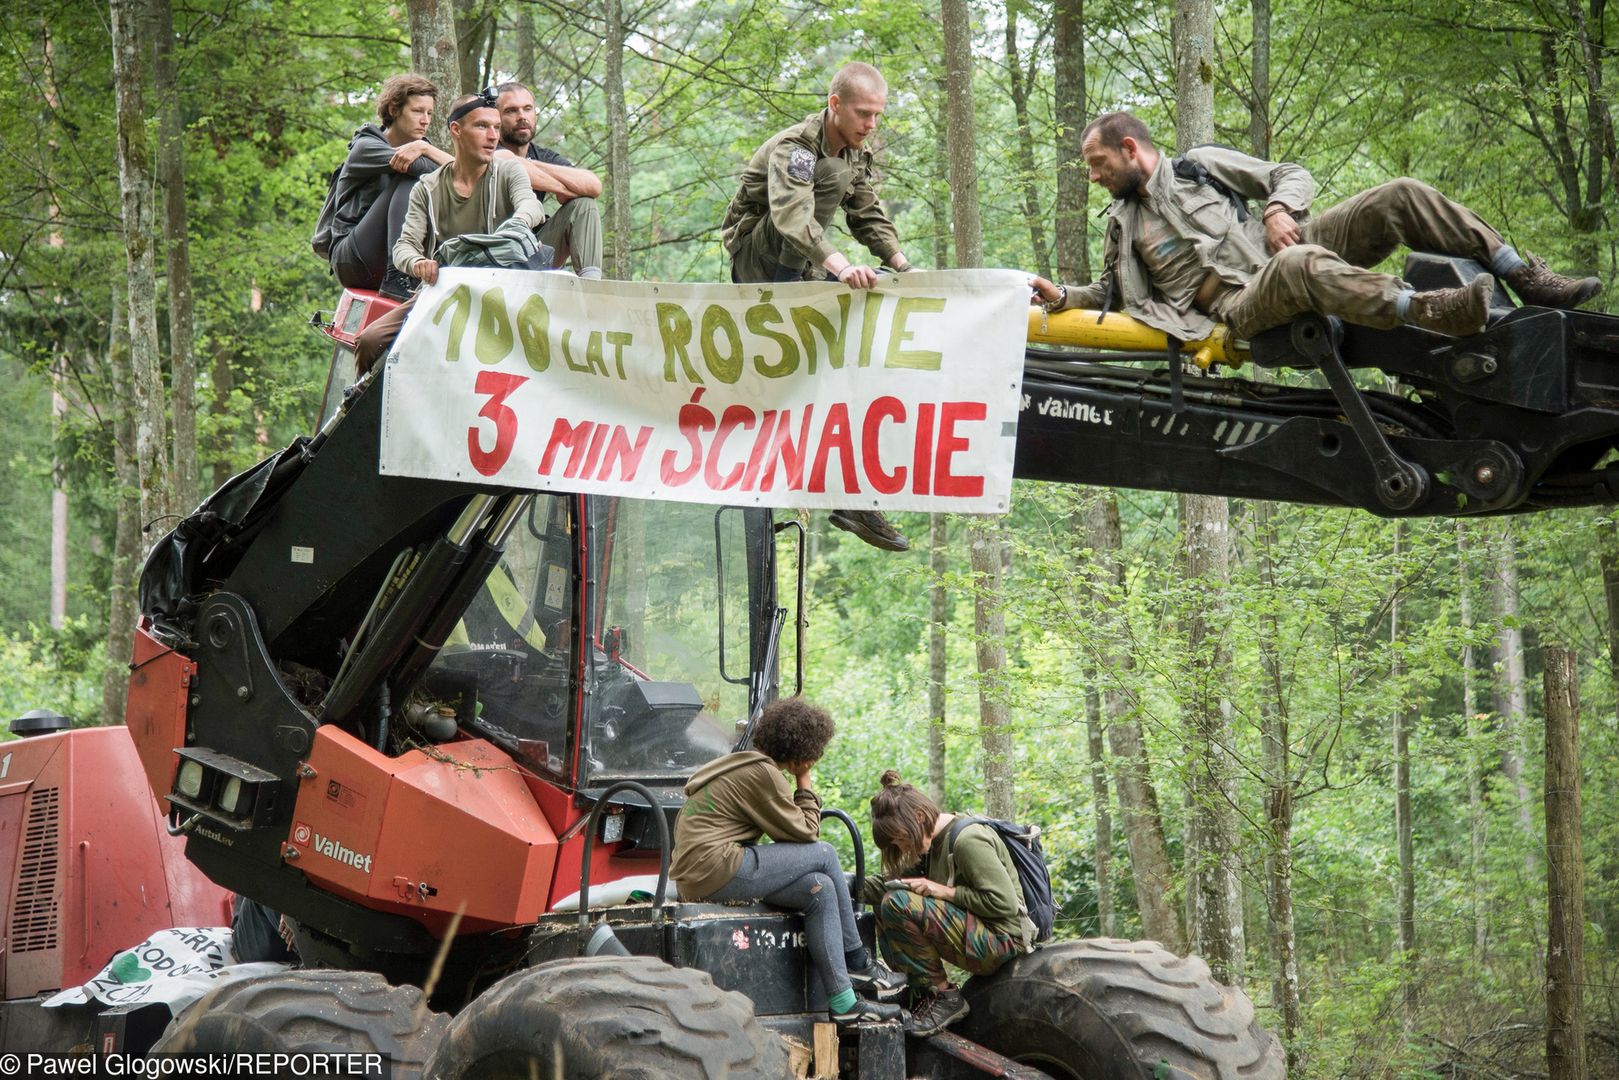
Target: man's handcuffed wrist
[1052, 306]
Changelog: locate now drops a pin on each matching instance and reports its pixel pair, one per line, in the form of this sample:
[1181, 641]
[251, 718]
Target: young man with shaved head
[775, 227]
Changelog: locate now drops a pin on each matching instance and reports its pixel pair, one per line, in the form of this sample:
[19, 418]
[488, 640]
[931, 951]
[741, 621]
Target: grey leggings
[807, 878]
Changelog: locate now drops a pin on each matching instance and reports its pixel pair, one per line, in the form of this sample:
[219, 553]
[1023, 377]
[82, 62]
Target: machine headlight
[189, 782]
[231, 797]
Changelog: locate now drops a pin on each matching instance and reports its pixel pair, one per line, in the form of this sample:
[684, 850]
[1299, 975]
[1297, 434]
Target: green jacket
[731, 801]
[780, 184]
[984, 876]
[1233, 249]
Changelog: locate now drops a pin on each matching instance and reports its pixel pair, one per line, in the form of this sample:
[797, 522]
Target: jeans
[807, 878]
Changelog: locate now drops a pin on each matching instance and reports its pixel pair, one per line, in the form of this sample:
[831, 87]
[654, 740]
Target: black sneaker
[397, 284]
[870, 1012]
[879, 982]
[872, 527]
[938, 1010]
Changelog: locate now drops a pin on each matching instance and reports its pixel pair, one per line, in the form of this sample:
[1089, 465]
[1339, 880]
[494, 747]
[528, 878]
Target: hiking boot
[1458, 312]
[1537, 284]
[869, 1012]
[879, 982]
[872, 527]
[938, 1010]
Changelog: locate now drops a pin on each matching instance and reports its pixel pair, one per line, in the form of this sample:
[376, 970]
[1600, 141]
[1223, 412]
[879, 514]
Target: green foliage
[59, 670]
[1468, 97]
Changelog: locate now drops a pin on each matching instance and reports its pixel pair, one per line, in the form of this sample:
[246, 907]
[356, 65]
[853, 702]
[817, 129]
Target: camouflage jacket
[798, 185]
[1235, 249]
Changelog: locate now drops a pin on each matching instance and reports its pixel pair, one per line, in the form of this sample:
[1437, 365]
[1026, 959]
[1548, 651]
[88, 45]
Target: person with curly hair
[939, 901]
[733, 801]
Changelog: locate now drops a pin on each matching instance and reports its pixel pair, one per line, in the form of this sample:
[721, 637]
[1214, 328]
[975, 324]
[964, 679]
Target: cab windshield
[667, 589]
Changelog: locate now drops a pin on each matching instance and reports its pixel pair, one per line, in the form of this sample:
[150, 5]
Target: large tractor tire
[624, 1017]
[1106, 1009]
[311, 1010]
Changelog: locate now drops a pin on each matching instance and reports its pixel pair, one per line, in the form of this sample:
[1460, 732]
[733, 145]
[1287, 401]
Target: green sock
[843, 1000]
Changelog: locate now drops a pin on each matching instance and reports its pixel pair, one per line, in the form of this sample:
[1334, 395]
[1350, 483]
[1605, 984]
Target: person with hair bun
[939, 902]
[734, 800]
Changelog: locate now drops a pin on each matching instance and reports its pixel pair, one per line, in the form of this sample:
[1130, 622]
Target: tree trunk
[1216, 897]
[1103, 851]
[1193, 33]
[1068, 108]
[939, 201]
[126, 549]
[1405, 882]
[1150, 867]
[58, 498]
[619, 252]
[1565, 872]
[224, 379]
[988, 549]
[987, 542]
[1475, 785]
[525, 45]
[1277, 737]
[471, 20]
[129, 32]
[1259, 105]
[1608, 558]
[1215, 900]
[961, 134]
[938, 639]
[1511, 697]
[1025, 145]
[171, 177]
[433, 54]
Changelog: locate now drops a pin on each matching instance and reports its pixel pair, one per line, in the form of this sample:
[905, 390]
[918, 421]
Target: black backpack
[1029, 856]
[322, 240]
[1187, 169]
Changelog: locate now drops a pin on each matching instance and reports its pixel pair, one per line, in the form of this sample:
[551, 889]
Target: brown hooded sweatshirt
[731, 801]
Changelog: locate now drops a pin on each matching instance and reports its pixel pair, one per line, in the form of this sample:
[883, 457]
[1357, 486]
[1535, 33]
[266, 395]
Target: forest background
[1307, 743]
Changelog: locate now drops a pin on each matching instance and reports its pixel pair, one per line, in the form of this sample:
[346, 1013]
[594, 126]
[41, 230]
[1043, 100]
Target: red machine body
[92, 868]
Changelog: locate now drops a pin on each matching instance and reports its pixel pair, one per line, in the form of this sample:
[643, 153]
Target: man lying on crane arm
[1182, 252]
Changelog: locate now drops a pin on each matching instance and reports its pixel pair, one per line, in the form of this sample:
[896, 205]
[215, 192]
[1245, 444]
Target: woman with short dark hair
[940, 901]
[734, 800]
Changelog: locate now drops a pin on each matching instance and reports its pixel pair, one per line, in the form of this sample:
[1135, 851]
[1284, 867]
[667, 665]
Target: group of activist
[950, 891]
[1213, 236]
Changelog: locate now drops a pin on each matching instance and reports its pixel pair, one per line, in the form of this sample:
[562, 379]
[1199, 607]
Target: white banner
[175, 967]
[902, 397]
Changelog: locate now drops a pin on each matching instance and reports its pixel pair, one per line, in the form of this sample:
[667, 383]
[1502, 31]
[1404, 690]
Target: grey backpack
[511, 246]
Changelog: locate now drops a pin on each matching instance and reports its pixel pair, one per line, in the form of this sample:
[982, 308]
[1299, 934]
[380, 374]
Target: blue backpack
[1028, 855]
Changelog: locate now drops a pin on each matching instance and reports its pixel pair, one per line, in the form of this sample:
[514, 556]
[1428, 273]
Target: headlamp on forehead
[485, 100]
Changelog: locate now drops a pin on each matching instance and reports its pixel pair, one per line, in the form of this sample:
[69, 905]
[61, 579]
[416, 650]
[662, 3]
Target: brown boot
[872, 527]
[1458, 312]
[1537, 284]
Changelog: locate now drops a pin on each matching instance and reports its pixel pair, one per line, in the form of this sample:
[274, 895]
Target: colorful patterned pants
[919, 935]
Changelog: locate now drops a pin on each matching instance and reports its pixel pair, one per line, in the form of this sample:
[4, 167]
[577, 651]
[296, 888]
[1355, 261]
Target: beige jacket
[731, 801]
[512, 196]
[1233, 249]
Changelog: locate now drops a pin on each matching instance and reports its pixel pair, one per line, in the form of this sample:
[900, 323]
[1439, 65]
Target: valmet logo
[323, 845]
